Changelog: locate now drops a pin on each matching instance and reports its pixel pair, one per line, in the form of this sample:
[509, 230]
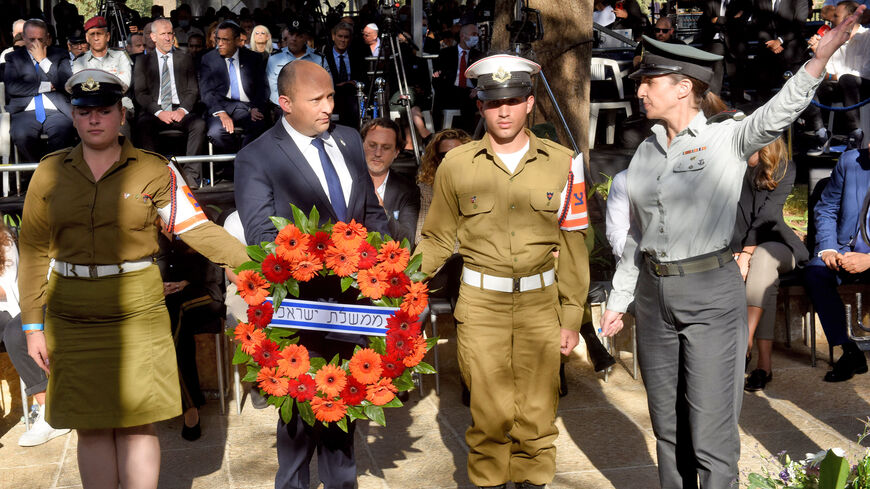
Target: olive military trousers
[508, 349]
[691, 337]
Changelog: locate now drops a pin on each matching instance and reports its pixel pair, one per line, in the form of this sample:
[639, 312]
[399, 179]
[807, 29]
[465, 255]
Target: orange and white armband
[572, 211]
[183, 212]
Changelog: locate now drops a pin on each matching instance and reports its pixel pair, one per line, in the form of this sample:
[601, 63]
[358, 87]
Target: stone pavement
[605, 436]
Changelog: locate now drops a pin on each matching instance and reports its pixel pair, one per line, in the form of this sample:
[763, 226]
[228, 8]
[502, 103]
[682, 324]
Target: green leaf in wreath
[431, 342]
[404, 382]
[269, 247]
[292, 287]
[394, 403]
[275, 401]
[382, 302]
[378, 344]
[287, 410]
[305, 412]
[342, 423]
[251, 376]
[346, 282]
[280, 222]
[356, 412]
[424, 368]
[248, 265]
[279, 292]
[335, 359]
[406, 244]
[240, 356]
[376, 414]
[277, 333]
[418, 276]
[300, 219]
[317, 363]
[833, 471]
[256, 253]
[758, 481]
[375, 240]
[314, 219]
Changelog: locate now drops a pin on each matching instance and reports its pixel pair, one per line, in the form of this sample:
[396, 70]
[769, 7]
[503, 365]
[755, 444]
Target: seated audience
[842, 255]
[185, 29]
[433, 154]
[781, 44]
[371, 40]
[261, 41]
[629, 16]
[723, 26]
[233, 87]
[76, 44]
[663, 31]
[17, 40]
[452, 89]
[347, 68]
[765, 248]
[166, 90]
[136, 45]
[382, 141]
[294, 37]
[34, 79]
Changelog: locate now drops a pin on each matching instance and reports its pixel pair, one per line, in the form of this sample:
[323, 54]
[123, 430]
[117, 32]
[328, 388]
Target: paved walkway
[605, 437]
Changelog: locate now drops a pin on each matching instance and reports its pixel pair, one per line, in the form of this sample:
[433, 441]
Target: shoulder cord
[567, 197]
[173, 190]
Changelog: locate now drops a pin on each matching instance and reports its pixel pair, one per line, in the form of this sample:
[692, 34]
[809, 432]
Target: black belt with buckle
[696, 264]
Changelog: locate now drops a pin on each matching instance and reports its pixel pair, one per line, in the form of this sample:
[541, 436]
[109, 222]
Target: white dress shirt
[172, 87]
[618, 213]
[382, 188]
[9, 280]
[242, 95]
[44, 87]
[467, 52]
[304, 143]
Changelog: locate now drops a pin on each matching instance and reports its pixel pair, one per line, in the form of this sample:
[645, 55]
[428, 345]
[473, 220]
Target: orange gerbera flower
[417, 355]
[271, 382]
[328, 410]
[330, 380]
[372, 282]
[348, 236]
[365, 366]
[393, 257]
[249, 337]
[307, 267]
[416, 299]
[382, 392]
[292, 243]
[342, 261]
[252, 287]
[294, 361]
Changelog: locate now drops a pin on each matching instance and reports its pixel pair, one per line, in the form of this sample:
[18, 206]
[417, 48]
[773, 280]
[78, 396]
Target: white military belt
[508, 284]
[97, 271]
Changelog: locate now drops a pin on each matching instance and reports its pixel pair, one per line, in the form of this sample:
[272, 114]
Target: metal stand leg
[219, 353]
[812, 336]
[433, 318]
[634, 350]
[237, 389]
[24, 405]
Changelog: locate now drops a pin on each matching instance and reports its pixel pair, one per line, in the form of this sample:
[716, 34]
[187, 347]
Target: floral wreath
[341, 389]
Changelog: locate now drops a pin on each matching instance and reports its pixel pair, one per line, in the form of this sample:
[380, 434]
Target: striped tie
[165, 85]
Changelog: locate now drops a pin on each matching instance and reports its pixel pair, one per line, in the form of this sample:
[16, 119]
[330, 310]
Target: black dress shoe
[600, 357]
[748, 359]
[563, 381]
[529, 485]
[466, 395]
[257, 399]
[757, 380]
[191, 433]
[852, 362]
[502, 486]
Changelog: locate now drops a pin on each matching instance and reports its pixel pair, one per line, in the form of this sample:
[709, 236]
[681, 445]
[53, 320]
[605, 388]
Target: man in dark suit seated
[166, 90]
[382, 141]
[781, 42]
[35, 77]
[306, 161]
[723, 25]
[347, 68]
[232, 84]
[452, 89]
[842, 255]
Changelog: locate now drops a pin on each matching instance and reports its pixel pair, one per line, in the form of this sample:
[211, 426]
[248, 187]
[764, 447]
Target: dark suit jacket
[22, 81]
[838, 212]
[358, 66]
[786, 23]
[730, 27]
[271, 173]
[146, 80]
[214, 80]
[402, 203]
[448, 64]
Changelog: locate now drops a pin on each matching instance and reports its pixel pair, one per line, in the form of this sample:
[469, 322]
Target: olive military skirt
[111, 352]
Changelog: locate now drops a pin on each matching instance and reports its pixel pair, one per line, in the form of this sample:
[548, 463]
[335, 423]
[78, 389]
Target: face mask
[183, 23]
[472, 41]
[425, 31]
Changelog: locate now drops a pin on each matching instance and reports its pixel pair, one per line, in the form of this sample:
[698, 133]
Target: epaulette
[62, 153]
[470, 147]
[156, 155]
[555, 147]
[737, 115]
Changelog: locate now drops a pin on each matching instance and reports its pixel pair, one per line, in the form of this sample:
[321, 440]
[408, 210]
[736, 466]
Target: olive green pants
[508, 348]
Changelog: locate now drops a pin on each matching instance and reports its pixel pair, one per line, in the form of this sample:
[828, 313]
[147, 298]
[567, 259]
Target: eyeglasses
[661, 31]
[260, 33]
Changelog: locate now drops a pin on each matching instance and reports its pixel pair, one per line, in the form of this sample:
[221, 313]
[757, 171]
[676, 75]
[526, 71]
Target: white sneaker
[40, 431]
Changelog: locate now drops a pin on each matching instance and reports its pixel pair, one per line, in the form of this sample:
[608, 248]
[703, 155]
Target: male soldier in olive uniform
[511, 200]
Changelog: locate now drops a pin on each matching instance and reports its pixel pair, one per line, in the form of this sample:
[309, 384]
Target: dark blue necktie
[336, 196]
[234, 82]
[37, 100]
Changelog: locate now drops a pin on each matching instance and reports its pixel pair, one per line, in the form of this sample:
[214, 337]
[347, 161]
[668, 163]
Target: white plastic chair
[598, 71]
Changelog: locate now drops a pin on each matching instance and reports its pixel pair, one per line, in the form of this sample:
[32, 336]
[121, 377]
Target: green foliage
[424, 368]
[256, 253]
[833, 472]
[306, 412]
[251, 376]
[240, 357]
[376, 414]
[287, 410]
[404, 382]
[378, 344]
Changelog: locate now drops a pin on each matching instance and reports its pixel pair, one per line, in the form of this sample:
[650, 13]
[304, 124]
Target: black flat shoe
[191, 433]
[850, 364]
[529, 485]
[563, 381]
[257, 399]
[748, 359]
[757, 380]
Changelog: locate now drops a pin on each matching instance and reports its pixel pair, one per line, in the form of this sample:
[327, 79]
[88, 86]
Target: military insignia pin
[473, 199]
[501, 75]
[549, 195]
[90, 85]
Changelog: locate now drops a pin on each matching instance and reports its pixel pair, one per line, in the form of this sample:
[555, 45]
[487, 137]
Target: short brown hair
[386, 124]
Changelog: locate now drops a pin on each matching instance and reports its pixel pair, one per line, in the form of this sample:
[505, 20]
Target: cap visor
[651, 71]
[503, 93]
[96, 100]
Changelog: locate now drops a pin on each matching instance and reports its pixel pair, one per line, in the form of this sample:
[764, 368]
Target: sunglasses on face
[661, 31]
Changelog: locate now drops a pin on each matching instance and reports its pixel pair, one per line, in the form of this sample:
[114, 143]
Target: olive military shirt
[72, 218]
[507, 224]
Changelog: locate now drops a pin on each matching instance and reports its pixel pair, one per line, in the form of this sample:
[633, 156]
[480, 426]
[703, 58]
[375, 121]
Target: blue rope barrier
[841, 109]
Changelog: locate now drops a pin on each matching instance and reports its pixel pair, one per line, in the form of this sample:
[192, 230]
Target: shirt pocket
[477, 212]
[135, 212]
[544, 199]
[472, 204]
[689, 165]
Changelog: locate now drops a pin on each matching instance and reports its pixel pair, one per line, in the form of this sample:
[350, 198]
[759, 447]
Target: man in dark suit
[453, 90]
[781, 42]
[35, 77]
[347, 68]
[382, 141]
[166, 90]
[304, 161]
[842, 255]
[232, 84]
[723, 30]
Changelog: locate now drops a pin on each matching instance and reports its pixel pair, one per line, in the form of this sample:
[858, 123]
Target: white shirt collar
[235, 57]
[302, 141]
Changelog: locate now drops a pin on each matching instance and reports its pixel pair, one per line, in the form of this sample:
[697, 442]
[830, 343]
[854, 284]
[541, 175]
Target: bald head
[306, 96]
[294, 74]
[664, 29]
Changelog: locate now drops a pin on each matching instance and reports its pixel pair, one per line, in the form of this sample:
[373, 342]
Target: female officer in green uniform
[90, 211]
[683, 185]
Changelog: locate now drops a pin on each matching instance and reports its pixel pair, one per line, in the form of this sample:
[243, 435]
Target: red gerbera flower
[319, 243]
[276, 269]
[354, 392]
[330, 380]
[401, 320]
[249, 337]
[328, 410]
[341, 261]
[400, 345]
[393, 257]
[266, 353]
[416, 299]
[252, 287]
[348, 236]
[294, 361]
[392, 365]
[272, 383]
[372, 282]
[302, 389]
[381, 393]
[397, 284]
[261, 315]
[307, 267]
[365, 366]
[368, 256]
[417, 355]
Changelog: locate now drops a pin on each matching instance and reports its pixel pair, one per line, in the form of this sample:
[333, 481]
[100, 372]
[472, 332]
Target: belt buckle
[92, 271]
[659, 269]
[516, 285]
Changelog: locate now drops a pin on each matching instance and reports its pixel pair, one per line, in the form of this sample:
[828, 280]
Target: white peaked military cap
[502, 76]
[95, 88]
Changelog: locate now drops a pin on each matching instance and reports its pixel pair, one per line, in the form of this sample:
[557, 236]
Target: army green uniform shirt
[507, 223]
